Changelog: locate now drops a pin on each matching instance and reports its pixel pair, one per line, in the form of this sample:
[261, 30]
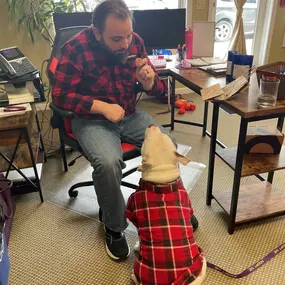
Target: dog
[161, 210]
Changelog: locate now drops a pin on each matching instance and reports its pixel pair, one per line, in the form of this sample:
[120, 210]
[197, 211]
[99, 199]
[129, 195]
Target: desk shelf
[254, 164]
[256, 201]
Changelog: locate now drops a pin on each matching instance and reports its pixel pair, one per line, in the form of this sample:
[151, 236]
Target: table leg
[237, 175]
[172, 102]
[214, 130]
[280, 123]
[42, 147]
[38, 183]
[280, 128]
[13, 155]
[206, 109]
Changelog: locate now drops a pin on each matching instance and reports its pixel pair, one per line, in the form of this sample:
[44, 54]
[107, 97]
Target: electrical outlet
[200, 4]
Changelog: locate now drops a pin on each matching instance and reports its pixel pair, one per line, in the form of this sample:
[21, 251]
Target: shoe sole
[115, 257]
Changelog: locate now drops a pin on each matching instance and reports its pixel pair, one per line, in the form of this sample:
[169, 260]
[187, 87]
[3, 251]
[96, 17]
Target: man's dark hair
[107, 7]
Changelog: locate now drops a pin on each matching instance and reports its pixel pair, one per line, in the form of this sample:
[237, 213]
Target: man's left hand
[145, 74]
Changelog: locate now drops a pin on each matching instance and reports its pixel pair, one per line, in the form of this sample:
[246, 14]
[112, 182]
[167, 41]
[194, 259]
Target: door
[224, 14]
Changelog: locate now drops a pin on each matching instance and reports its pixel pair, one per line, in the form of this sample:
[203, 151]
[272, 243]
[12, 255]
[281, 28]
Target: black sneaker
[116, 244]
[194, 223]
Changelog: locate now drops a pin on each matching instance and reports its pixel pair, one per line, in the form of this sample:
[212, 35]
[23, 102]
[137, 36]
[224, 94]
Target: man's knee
[107, 164]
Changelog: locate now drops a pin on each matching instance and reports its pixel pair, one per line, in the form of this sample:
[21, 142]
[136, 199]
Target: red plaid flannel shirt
[168, 251]
[84, 73]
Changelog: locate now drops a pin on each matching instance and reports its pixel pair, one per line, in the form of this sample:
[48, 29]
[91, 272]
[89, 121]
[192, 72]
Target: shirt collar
[161, 188]
[92, 39]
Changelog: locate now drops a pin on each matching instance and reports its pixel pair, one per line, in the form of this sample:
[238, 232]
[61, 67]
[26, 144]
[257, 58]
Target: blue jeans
[100, 141]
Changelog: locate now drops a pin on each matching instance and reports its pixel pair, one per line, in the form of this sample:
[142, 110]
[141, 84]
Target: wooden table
[258, 200]
[19, 148]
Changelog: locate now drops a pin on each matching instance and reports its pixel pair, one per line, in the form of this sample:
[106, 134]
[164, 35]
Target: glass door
[225, 16]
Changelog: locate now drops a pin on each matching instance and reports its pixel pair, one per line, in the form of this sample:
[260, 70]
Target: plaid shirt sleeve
[160, 87]
[130, 210]
[68, 77]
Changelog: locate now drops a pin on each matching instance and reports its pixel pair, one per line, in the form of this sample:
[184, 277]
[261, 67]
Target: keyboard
[158, 63]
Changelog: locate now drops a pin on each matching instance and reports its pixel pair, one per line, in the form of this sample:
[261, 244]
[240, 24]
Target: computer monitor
[158, 28]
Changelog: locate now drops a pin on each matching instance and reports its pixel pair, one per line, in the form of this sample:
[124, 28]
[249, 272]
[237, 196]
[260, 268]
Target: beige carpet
[52, 245]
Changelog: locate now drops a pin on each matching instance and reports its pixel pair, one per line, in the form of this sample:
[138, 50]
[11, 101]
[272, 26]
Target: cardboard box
[263, 139]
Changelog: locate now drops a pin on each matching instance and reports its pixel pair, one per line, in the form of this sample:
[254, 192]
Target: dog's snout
[151, 125]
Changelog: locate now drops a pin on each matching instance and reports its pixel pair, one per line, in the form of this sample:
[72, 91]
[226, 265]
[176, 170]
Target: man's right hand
[112, 112]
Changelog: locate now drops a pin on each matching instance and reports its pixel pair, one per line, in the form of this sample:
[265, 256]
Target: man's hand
[145, 74]
[112, 112]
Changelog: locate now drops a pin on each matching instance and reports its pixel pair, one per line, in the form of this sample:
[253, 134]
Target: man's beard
[116, 57]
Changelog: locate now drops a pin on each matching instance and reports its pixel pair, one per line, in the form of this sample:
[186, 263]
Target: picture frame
[282, 3]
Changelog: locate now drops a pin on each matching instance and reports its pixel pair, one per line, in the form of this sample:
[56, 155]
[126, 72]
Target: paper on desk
[233, 88]
[197, 62]
[213, 60]
[18, 95]
[13, 113]
[212, 92]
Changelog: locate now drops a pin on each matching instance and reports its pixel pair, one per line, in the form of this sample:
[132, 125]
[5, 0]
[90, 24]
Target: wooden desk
[258, 200]
[19, 149]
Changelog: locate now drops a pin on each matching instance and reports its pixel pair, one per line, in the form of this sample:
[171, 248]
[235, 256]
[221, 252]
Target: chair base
[74, 193]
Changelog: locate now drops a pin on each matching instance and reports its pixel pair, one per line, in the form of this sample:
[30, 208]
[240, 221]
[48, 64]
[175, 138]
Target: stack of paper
[18, 95]
[213, 60]
[205, 61]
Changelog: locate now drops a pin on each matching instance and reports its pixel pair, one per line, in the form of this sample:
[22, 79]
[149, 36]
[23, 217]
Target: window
[225, 21]
[141, 4]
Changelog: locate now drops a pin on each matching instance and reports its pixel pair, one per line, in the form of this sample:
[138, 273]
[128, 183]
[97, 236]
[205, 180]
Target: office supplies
[158, 63]
[15, 110]
[14, 63]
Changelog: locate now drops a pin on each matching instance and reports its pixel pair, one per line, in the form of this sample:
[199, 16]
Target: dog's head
[159, 156]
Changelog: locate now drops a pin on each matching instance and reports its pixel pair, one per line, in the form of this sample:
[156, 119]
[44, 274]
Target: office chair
[61, 119]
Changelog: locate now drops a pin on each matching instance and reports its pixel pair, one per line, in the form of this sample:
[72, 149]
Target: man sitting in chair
[97, 79]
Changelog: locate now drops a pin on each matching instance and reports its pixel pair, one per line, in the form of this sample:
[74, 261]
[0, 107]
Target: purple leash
[253, 267]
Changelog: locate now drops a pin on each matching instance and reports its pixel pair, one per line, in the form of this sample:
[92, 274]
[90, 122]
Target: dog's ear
[146, 162]
[181, 158]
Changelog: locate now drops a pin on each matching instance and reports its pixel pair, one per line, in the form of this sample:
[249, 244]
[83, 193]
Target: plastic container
[189, 42]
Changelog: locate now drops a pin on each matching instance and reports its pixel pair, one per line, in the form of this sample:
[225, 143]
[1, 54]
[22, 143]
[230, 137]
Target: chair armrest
[61, 112]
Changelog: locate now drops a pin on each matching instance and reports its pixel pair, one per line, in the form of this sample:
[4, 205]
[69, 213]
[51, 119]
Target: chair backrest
[62, 35]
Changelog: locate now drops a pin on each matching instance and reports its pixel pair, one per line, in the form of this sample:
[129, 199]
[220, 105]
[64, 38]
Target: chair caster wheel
[72, 193]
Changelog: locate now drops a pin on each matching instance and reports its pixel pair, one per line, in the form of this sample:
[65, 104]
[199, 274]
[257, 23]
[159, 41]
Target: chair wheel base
[72, 193]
